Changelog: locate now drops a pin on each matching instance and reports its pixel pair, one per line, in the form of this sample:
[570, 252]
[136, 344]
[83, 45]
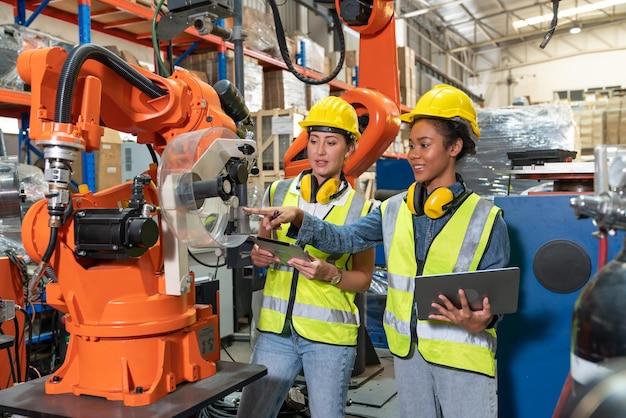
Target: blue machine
[534, 343]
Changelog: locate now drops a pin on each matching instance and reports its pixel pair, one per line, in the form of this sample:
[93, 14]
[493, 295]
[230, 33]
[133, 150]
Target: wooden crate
[275, 130]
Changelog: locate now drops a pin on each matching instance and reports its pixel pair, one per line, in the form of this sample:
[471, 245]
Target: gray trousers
[426, 390]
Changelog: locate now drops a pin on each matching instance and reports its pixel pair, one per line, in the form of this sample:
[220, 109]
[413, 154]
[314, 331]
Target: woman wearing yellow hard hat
[308, 318]
[444, 366]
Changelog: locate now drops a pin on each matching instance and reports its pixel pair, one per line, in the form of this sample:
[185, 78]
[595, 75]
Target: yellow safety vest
[438, 342]
[318, 311]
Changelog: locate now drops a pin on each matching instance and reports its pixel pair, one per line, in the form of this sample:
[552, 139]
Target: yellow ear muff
[327, 190]
[308, 185]
[412, 200]
[438, 202]
[314, 193]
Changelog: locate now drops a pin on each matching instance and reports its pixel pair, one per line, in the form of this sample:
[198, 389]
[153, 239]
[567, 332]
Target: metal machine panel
[534, 343]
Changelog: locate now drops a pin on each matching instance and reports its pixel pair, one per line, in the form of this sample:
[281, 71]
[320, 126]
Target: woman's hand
[261, 257]
[472, 321]
[315, 269]
[274, 216]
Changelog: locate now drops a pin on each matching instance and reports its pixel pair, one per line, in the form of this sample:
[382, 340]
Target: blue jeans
[327, 370]
[430, 391]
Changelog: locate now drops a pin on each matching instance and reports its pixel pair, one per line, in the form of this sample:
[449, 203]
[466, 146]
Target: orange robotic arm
[122, 275]
[377, 99]
[97, 87]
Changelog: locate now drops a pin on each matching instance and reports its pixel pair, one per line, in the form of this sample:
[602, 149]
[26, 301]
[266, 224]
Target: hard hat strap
[332, 129]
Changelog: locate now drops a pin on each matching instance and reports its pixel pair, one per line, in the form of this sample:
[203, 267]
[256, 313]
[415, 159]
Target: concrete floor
[372, 393]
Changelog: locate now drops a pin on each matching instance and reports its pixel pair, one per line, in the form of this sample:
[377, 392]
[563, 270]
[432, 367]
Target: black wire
[16, 349]
[284, 52]
[29, 347]
[221, 409]
[19, 339]
[12, 367]
[205, 264]
[227, 353]
[555, 19]
[55, 338]
[27, 322]
[10, 361]
[152, 154]
[19, 263]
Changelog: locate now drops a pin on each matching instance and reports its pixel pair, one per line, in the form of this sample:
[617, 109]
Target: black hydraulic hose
[284, 52]
[54, 233]
[153, 155]
[73, 64]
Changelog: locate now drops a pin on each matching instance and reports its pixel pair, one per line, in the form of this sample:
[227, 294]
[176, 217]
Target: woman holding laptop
[444, 365]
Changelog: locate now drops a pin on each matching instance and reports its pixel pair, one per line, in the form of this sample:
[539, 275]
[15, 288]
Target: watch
[335, 280]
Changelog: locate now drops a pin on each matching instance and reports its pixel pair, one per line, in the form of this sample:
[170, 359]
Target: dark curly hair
[451, 130]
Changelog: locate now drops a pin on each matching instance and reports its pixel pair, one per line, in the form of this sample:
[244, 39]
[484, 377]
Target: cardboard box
[109, 160]
[406, 57]
[406, 75]
[314, 93]
[333, 60]
[207, 64]
[282, 90]
[347, 74]
[274, 131]
[260, 31]
[311, 53]
[613, 116]
[352, 59]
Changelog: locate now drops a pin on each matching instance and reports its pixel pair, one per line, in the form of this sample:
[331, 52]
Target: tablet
[284, 250]
[500, 285]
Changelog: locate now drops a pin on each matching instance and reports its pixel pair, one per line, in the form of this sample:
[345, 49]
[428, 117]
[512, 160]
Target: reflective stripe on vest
[317, 304]
[438, 342]
[462, 255]
[399, 246]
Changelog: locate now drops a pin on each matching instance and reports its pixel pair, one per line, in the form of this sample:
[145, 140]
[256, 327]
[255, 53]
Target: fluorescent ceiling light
[420, 12]
[567, 13]
[575, 29]
[414, 13]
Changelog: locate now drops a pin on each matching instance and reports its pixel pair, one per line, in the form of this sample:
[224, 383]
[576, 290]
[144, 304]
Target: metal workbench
[30, 399]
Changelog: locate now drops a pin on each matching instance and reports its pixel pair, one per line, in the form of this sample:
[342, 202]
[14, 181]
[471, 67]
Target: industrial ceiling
[483, 28]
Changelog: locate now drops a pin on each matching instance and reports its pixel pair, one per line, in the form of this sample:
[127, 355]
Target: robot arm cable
[73, 64]
[280, 35]
[555, 19]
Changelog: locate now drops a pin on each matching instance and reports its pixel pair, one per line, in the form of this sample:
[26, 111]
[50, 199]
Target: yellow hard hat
[333, 114]
[447, 102]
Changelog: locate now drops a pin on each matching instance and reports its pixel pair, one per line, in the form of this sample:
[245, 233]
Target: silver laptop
[500, 285]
